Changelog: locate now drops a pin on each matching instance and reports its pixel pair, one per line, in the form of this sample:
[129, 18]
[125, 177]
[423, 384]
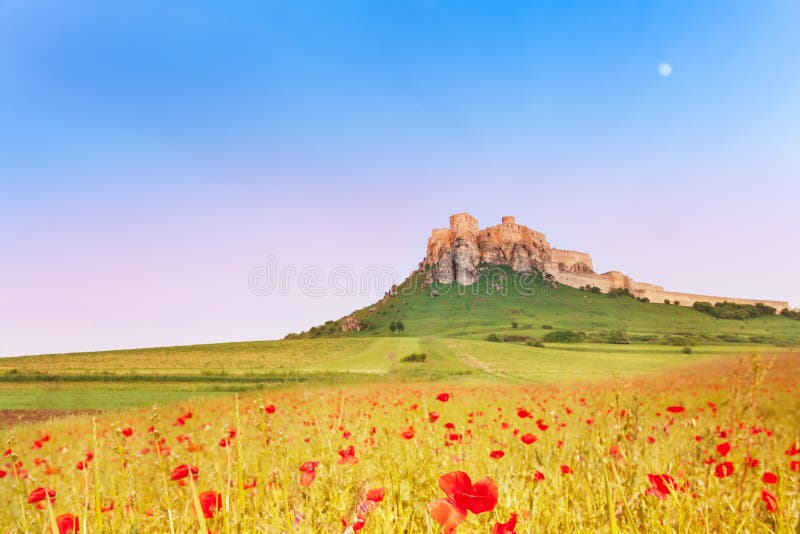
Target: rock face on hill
[454, 254]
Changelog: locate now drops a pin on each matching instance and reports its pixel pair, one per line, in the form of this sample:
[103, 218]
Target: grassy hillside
[497, 301]
[448, 324]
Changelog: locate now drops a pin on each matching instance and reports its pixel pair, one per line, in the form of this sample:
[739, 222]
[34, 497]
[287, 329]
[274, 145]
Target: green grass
[450, 328]
[475, 311]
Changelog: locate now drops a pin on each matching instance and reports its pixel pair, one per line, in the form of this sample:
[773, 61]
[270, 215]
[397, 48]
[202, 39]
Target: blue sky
[152, 153]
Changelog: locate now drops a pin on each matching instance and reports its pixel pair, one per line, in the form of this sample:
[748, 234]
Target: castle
[454, 254]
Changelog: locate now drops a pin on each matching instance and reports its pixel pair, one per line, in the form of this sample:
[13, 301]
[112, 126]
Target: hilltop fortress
[454, 254]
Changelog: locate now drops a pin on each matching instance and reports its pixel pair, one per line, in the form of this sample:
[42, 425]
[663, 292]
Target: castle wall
[570, 257]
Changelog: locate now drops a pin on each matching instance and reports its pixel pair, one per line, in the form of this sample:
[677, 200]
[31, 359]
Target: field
[658, 419]
[709, 446]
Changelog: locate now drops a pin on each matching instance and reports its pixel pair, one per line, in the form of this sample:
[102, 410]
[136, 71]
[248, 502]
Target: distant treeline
[731, 310]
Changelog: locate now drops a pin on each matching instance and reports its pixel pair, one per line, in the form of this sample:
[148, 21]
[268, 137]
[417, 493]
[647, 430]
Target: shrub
[535, 343]
[415, 357]
[514, 324]
[619, 292]
[493, 337]
[564, 336]
[666, 301]
[617, 337]
[687, 349]
[514, 338]
[547, 327]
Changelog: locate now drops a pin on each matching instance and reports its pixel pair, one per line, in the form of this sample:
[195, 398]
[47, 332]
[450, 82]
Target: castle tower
[509, 219]
[463, 222]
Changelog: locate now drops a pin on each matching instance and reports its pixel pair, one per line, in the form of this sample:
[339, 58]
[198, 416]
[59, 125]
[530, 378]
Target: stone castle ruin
[455, 253]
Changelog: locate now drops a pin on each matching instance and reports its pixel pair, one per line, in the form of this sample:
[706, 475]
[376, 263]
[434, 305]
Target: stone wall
[453, 255]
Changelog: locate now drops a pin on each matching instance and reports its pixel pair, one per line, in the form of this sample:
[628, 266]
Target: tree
[393, 327]
[400, 326]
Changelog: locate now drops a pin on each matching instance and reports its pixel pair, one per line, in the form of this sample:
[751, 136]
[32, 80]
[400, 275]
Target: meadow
[658, 418]
[709, 446]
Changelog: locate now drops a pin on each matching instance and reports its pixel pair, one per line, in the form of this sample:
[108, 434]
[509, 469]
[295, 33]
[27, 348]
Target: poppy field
[711, 447]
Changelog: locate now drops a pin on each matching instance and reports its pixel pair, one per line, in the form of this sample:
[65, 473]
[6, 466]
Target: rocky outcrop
[454, 255]
[351, 323]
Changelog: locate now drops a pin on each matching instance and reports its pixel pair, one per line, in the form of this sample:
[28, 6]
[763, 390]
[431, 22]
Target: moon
[665, 69]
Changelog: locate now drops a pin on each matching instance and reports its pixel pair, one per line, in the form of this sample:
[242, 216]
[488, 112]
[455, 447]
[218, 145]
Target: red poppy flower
[566, 470]
[183, 470]
[408, 433]
[538, 476]
[104, 509]
[270, 408]
[793, 449]
[462, 496]
[250, 485]
[376, 494]
[675, 409]
[751, 462]
[541, 425]
[309, 473]
[794, 466]
[523, 413]
[444, 397]
[433, 416]
[210, 502]
[769, 478]
[40, 494]
[348, 456]
[127, 432]
[724, 448]
[497, 454]
[769, 501]
[507, 527]
[67, 523]
[3, 473]
[661, 486]
[723, 470]
[527, 439]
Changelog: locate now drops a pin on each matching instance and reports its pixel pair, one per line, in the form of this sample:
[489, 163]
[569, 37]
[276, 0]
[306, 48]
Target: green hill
[502, 328]
[533, 309]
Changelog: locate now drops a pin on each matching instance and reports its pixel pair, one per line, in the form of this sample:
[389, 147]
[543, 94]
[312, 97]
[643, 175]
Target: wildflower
[527, 439]
[348, 456]
[444, 397]
[270, 408]
[462, 496]
[210, 502]
[183, 470]
[793, 449]
[675, 409]
[67, 523]
[40, 494]
[566, 470]
[661, 485]
[507, 527]
[723, 448]
[538, 476]
[433, 416]
[408, 433]
[376, 494]
[769, 501]
[497, 454]
[769, 478]
[127, 432]
[309, 473]
[723, 470]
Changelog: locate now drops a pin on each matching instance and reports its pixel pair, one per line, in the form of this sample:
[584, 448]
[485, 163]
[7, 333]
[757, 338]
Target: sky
[157, 158]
